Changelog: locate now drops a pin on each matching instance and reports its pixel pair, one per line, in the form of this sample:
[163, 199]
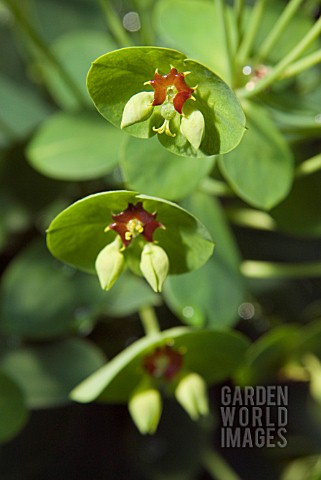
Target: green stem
[238, 15]
[222, 12]
[115, 25]
[41, 45]
[149, 320]
[277, 71]
[303, 64]
[210, 186]
[251, 31]
[147, 31]
[309, 166]
[259, 269]
[250, 218]
[218, 468]
[278, 29]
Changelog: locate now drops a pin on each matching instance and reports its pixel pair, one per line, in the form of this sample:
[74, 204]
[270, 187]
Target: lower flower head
[163, 362]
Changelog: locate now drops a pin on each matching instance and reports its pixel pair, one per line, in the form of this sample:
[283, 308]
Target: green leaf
[115, 77]
[260, 171]
[27, 306]
[210, 295]
[47, 373]
[300, 214]
[213, 293]
[70, 147]
[75, 51]
[150, 169]
[306, 468]
[268, 355]
[192, 27]
[21, 111]
[213, 355]
[13, 411]
[76, 235]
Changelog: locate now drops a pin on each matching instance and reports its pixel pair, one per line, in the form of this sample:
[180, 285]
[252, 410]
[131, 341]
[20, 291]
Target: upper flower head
[133, 221]
[171, 87]
[170, 94]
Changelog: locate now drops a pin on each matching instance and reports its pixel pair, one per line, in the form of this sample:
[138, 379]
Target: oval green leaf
[268, 355]
[300, 213]
[47, 373]
[116, 76]
[261, 170]
[74, 51]
[195, 31]
[74, 147]
[215, 303]
[76, 235]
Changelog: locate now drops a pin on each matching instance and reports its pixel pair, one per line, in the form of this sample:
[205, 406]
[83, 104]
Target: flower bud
[154, 265]
[145, 408]
[191, 393]
[192, 127]
[109, 264]
[138, 108]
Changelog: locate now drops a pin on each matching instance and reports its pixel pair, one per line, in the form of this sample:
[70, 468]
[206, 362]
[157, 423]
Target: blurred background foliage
[261, 203]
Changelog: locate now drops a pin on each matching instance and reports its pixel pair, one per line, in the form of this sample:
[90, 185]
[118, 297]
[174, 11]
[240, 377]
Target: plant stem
[115, 25]
[309, 166]
[147, 32]
[41, 45]
[222, 12]
[277, 71]
[218, 468]
[149, 320]
[278, 29]
[259, 269]
[250, 218]
[251, 31]
[238, 15]
[303, 64]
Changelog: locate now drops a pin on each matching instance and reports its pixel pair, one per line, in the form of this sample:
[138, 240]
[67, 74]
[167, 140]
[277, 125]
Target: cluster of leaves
[252, 186]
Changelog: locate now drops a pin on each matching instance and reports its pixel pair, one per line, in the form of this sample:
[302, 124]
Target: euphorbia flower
[133, 221]
[165, 366]
[164, 362]
[170, 94]
[129, 224]
[171, 87]
[179, 363]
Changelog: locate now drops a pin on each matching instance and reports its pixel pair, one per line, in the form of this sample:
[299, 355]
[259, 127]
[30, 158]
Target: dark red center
[164, 362]
[133, 221]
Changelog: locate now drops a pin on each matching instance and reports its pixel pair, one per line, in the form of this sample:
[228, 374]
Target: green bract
[212, 354]
[117, 77]
[78, 234]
